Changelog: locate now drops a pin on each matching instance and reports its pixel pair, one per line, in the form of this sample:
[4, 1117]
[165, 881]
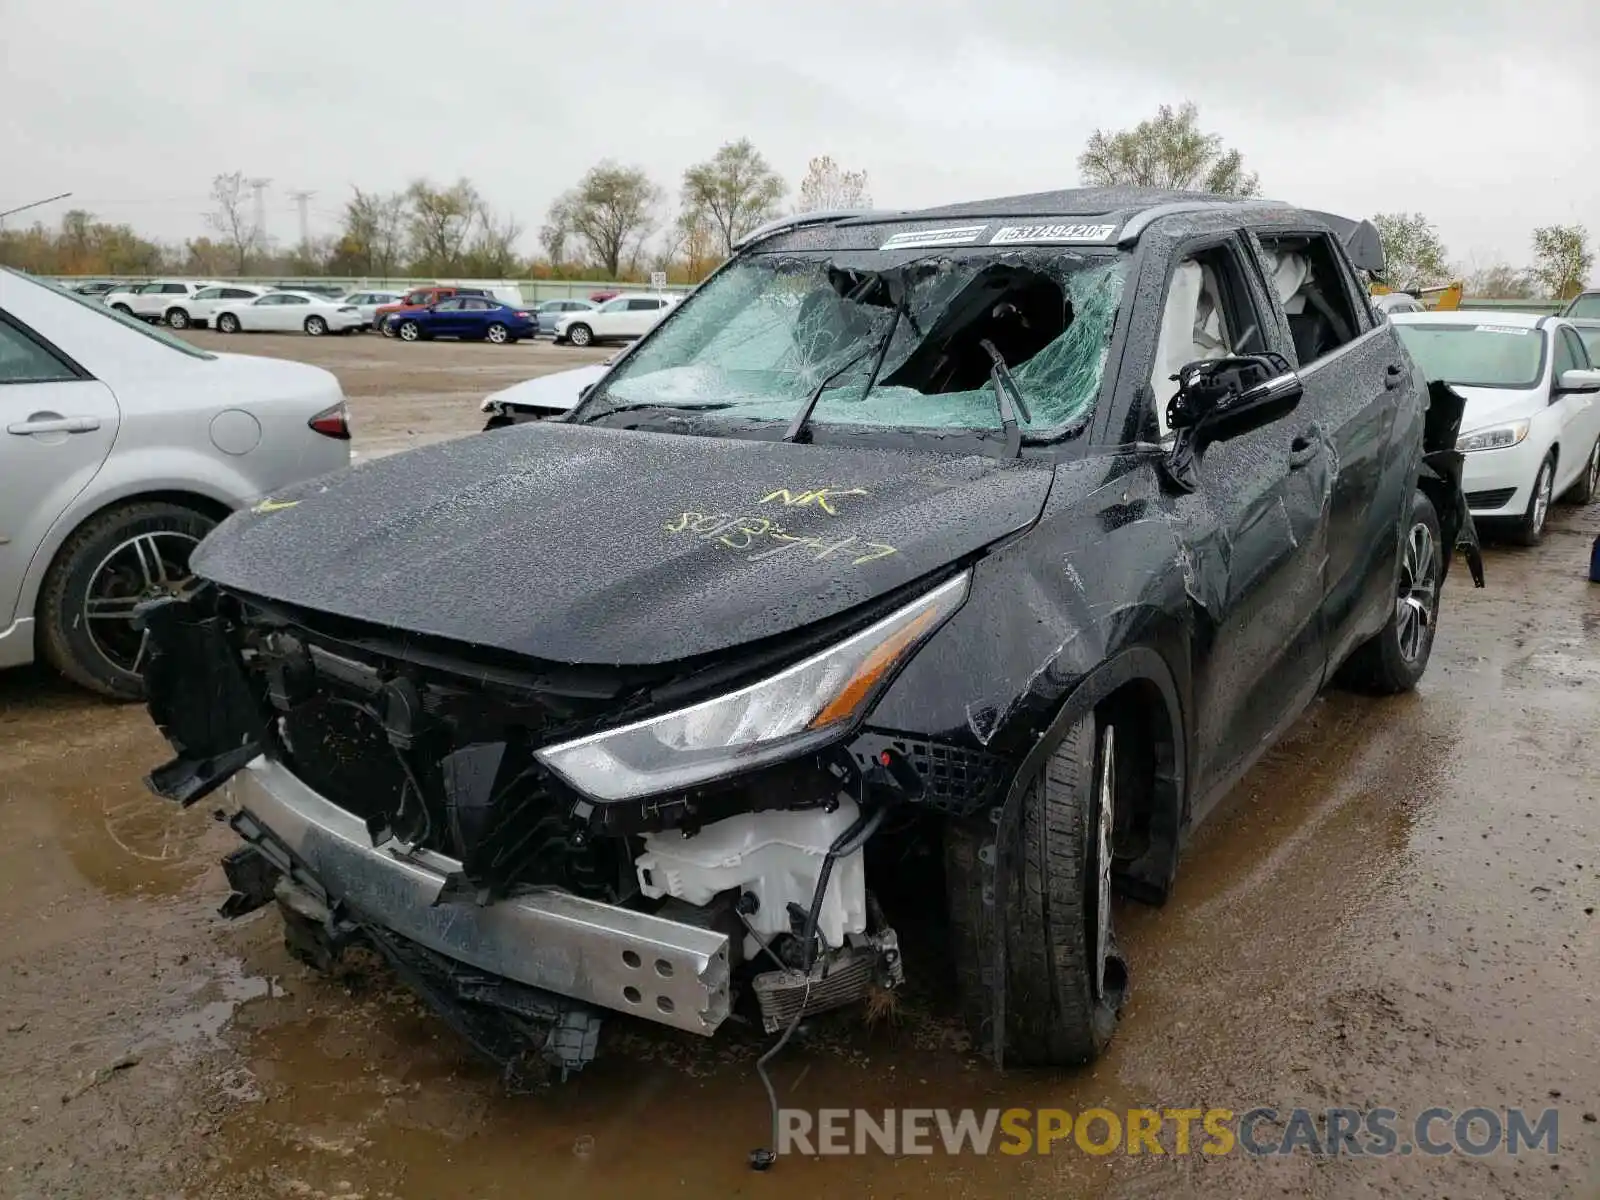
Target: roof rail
[1140, 221]
[801, 220]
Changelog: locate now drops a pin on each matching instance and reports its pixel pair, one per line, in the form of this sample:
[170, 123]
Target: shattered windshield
[898, 341]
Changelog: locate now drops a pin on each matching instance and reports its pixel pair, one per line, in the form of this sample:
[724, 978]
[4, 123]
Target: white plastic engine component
[777, 856]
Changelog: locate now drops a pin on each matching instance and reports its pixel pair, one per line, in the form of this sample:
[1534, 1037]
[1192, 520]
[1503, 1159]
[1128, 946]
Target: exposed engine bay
[436, 769]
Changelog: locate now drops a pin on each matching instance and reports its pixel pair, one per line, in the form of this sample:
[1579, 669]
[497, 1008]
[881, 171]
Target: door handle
[40, 424]
[1305, 447]
[1393, 376]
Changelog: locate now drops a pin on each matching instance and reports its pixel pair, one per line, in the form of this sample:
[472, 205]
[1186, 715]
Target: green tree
[1413, 254]
[735, 188]
[1168, 151]
[372, 235]
[609, 213]
[1562, 259]
[439, 223]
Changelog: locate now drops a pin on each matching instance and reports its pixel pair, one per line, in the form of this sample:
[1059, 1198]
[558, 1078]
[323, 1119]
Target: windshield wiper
[1008, 397]
[880, 347]
[618, 408]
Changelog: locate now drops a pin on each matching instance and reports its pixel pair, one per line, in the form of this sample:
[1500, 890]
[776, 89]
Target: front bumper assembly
[665, 971]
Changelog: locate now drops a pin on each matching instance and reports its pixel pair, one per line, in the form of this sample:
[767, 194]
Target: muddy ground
[1395, 908]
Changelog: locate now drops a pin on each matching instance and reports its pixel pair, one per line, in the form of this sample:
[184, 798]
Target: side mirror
[1577, 382]
[1222, 398]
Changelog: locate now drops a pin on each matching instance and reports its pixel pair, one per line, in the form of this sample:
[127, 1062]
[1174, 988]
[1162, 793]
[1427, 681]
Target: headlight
[805, 706]
[1495, 437]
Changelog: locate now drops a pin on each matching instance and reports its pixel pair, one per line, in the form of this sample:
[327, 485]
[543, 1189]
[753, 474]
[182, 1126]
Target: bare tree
[1562, 259]
[373, 234]
[230, 216]
[828, 186]
[1413, 254]
[1169, 151]
[494, 249]
[1500, 281]
[735, 188]
[610, 213]
[440, 222]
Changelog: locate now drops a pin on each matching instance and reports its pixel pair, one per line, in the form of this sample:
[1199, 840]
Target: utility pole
[259, 187]
[26, 207]
[301, 199]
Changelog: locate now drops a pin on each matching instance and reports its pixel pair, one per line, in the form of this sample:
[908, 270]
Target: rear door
[56, 427]
[1361, 393]
[641, 315]
[476, 314]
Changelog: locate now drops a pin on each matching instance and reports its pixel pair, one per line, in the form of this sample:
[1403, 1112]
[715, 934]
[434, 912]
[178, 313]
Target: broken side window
[900, 343]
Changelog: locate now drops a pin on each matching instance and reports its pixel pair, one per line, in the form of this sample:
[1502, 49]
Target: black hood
[578, 544]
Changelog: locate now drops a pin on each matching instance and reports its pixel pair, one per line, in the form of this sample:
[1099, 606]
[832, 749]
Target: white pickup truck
[156, 301]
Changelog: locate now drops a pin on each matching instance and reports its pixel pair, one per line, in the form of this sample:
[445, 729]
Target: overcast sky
[1483, 114]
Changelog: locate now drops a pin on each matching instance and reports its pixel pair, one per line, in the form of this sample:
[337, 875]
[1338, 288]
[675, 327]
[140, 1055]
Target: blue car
[470, 318]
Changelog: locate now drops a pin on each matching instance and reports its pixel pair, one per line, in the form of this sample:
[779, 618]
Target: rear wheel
[497, 333]
[1588, 484]
[177, 318]
[1065, 980]
[228, 323]
[114, 562]
[1395, 658]
[1529, 528]
[410, 331]
[580, 334]
[316, 326]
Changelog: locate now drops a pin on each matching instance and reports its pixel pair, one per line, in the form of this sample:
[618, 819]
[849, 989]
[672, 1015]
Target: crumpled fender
[1440, 476]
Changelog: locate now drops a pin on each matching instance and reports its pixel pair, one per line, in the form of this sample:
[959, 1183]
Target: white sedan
[622, 317]
[289, 312]
[120, 447]
[547, 396]
[1531, 431]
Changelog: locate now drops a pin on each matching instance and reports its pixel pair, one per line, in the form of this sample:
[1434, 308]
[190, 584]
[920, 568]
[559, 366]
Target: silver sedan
[121, 446]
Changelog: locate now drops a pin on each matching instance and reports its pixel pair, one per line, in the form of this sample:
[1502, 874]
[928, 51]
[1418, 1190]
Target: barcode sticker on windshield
[1520, 332]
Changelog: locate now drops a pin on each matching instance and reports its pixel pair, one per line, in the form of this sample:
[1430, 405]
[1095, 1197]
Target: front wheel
[1394, 659]
[386, 329]
[177, 319]
[316, 326]
[1065, 979]
[580, 335]
[123, 309]
[113, 563]
[1588, 485]
[410, 331]
[1530, 527]
[497, 333]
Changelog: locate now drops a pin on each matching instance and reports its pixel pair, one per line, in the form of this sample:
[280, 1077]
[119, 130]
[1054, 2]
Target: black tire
[1057, 1012]
[1394, 659]
[1588, 483]
[123, 309]
[410, 331]
[315, 326]
[177, 318]
[68, 643]
[580, 334]
[1528, 529]
[386, 329]
[228, 323]
[498, 334]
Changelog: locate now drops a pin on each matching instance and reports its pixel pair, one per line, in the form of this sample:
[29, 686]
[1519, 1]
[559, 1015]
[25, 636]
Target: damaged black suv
[1033, 521]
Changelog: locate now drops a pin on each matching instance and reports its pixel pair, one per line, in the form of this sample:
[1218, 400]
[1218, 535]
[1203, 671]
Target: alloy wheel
[1105, 816]
[145, 567]
[1541, 497]
[1418, 592]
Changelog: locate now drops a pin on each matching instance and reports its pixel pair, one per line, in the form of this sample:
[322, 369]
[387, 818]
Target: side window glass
[1313, 289]
[1566, 359]
[1208, 313]
[1580, 352]
[23, 360]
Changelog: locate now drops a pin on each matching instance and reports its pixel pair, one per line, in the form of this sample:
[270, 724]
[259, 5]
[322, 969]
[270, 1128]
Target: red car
[602, 296]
